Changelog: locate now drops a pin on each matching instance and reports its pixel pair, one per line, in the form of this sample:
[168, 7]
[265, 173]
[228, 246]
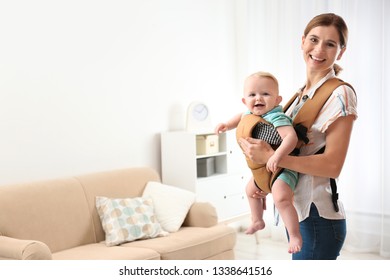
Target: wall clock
[198, 118]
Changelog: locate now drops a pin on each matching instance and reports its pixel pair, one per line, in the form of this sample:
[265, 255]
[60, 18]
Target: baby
[261, 96]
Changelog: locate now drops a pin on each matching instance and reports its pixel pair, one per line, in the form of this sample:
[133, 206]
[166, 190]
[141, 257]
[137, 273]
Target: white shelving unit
[225, 189]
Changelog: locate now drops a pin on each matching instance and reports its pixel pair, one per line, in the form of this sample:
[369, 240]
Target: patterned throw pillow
[128, 219]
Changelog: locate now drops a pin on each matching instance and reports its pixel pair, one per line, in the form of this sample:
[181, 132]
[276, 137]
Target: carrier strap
[308, 113]
[333, 185]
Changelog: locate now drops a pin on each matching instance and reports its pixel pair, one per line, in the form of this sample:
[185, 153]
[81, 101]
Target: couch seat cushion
[99, 251]
[190, 243]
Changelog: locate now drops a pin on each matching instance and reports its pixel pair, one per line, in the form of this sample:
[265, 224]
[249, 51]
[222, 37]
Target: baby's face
[260, 95]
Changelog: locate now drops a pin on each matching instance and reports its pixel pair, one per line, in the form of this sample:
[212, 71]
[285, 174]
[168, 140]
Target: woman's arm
[328, 164]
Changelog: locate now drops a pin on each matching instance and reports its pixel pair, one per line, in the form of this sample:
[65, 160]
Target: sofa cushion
[120, 183]
[99, 251]
[171, 204]
[54, 212]
[191, 243]
[128, 219]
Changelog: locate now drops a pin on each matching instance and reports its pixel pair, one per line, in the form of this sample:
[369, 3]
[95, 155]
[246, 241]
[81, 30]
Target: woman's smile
[316, 58]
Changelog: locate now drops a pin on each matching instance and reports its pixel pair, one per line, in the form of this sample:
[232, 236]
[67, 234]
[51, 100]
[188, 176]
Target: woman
[322, 228]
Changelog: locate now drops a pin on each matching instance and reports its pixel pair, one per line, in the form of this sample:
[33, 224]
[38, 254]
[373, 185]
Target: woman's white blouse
[314, 189]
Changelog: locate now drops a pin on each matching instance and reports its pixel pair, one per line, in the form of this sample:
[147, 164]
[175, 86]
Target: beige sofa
[57, 219]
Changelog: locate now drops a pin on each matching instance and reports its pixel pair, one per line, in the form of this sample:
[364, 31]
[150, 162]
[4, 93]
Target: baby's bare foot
[259, 225]
[295, 245]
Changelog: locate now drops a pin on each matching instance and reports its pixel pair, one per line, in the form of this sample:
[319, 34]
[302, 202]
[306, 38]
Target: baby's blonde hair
[262, 74]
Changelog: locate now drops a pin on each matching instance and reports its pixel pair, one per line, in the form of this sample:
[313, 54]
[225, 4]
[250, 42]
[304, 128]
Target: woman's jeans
[322, 238]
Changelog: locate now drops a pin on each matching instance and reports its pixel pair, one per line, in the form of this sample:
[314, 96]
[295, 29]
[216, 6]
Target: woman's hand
[256, 150]
[261, 195]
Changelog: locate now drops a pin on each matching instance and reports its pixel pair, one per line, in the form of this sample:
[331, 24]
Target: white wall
[89, 85]
[385, 195]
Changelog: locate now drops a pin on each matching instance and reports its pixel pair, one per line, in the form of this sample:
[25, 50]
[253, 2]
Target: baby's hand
[272, 163]
[221, 127]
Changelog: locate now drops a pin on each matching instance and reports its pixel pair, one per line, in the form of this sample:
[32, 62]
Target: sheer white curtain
[269, 37]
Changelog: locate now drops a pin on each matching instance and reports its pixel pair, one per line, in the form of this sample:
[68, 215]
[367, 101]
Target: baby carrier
[256, 127]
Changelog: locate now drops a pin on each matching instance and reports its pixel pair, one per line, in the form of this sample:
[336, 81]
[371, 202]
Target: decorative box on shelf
[205, 166]
[207, 144]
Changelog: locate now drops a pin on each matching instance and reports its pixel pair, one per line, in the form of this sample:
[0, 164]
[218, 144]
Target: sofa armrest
[201, 214]
[18, 249]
